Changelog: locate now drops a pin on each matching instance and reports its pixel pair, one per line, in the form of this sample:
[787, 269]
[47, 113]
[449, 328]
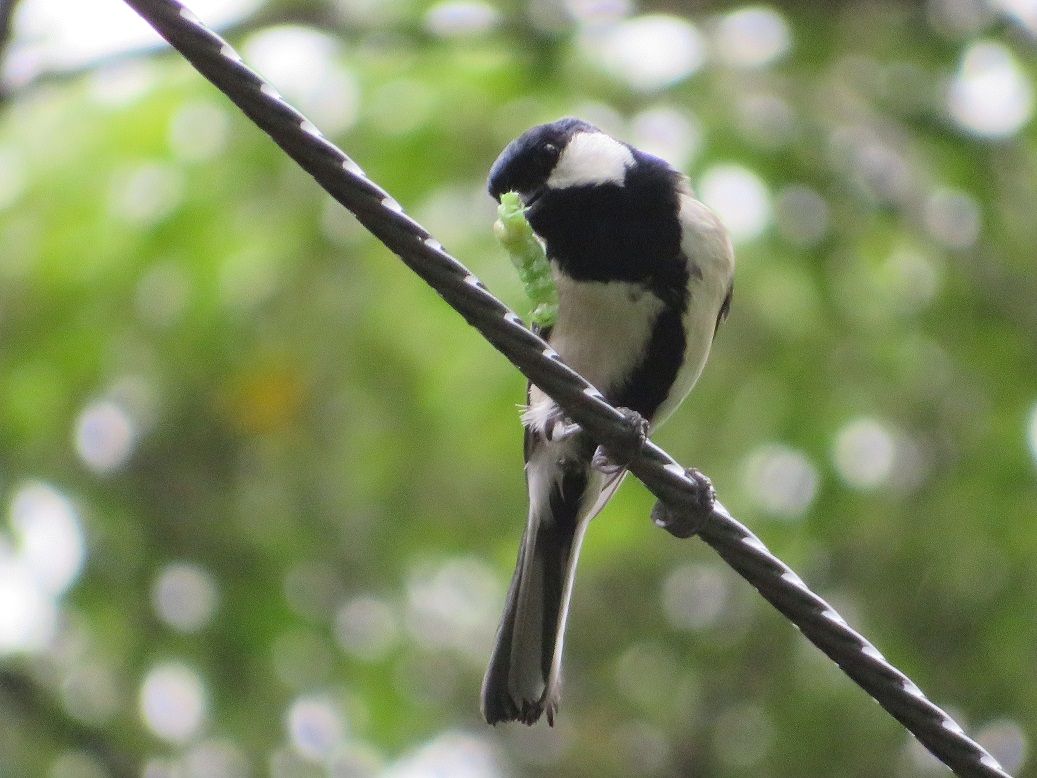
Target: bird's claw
[601, 462]
[617, 454]
[682, 520]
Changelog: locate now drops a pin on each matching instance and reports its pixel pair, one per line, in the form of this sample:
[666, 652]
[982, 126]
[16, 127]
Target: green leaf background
[295, 476]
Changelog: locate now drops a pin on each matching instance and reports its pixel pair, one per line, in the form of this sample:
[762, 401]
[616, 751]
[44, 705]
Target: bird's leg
[684, 519]
[618, 453]
[544, 418]
[558, 426]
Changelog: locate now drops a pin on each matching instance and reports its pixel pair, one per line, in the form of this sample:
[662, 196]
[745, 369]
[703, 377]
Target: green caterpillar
[527, 254]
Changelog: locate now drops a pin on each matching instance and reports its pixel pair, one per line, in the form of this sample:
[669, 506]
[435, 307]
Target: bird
[644, 273]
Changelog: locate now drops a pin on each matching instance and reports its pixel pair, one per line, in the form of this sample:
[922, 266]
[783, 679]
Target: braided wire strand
[740, 548]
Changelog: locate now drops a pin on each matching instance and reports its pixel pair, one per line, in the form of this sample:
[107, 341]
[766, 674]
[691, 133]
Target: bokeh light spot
[597, 12]
[780, 480]
[910, 278]
[1022, 12]
[667, 132]
[366, 627]
[752, 37]
[117, 85]
[49, 535]
[42, 559]
[105, 436]
[199, 130]
[184, 596]
[452, 753]
[990, 95]
[695, 596]
[647, 52]
[952, 217]
[316, 727]
[801, 215]
[146, 193]
[739, 197]
[454, 604]
[1007, 742]
[173, 702]
[869, 454]
[74, 35]
[355, 759]
[766, 119]
[459, 18]
[646, 673]
[864, 454]
[28, 617]
[289, 56]
[743, 735]
[218, 758]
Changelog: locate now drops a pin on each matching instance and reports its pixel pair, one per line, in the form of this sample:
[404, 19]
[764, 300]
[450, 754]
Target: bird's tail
[523, 679]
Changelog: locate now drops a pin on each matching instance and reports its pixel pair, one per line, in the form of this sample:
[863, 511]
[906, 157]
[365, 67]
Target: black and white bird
[644, 275]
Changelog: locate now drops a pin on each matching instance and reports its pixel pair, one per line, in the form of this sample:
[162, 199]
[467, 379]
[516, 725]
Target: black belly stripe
[649, 383]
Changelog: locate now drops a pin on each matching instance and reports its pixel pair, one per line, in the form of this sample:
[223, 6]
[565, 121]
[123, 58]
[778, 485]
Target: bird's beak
[530, 198]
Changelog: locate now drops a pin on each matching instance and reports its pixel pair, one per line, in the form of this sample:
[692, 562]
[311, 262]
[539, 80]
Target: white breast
[602, 327]
[601, 333]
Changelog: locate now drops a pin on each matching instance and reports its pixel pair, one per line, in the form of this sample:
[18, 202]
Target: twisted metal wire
[668, 480]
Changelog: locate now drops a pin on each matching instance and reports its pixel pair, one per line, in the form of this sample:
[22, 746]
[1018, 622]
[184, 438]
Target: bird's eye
[550, 148]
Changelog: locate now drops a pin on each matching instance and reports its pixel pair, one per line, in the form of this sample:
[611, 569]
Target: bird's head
[563, 154]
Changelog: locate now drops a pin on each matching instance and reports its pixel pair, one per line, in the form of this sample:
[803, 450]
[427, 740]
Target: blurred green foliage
[263, 490]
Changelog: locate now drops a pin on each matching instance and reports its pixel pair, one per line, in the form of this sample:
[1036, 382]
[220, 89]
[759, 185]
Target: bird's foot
[687, 518]
[619, 452]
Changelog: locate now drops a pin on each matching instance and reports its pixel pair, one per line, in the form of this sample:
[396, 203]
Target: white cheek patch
[591, 159]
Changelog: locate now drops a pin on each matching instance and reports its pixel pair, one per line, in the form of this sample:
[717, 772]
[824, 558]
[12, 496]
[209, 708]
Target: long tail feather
[523, 680]
[519, 684]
